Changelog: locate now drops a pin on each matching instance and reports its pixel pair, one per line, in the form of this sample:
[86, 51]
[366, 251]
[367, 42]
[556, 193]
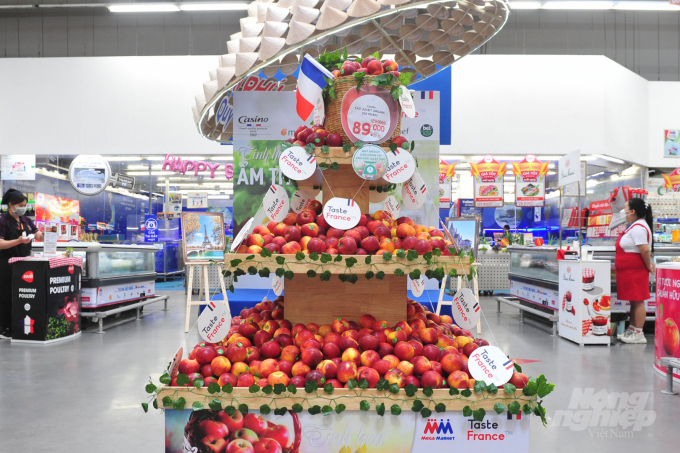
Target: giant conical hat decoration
[425, 37]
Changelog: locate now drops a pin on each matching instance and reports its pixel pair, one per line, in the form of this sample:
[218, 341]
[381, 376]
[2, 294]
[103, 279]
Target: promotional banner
[671, 143]
[667, 337]
[672, 181]
[150, 228]
[488, 176]
[197, 200]
[530, 176]
[446, 172]
[363, 432]
[599, 218]
[58, 215]
[19, 167]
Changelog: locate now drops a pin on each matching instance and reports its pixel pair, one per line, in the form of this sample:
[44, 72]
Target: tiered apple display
[263, 348]
[309, 232]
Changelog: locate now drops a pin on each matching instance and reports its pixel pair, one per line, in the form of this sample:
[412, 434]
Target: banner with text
[488, 176]
[530, 184]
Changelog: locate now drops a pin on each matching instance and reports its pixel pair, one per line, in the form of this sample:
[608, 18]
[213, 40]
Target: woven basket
[333, 122]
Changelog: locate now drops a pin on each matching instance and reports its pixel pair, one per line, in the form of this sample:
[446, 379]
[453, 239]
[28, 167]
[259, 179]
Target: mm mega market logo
[437, 430]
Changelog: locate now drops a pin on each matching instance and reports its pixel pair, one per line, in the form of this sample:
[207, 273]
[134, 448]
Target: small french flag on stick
[310, 84]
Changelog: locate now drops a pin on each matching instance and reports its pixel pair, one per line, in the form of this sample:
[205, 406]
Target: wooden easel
[475, 290]
[205, 284]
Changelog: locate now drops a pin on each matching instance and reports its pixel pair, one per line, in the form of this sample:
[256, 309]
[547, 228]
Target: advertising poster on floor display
[263, 120]
[667, 336]
[488, 176]
[599, 217]
[585, 301]
[672, 181]
[356, 431]
[530, 184]
[62, 213]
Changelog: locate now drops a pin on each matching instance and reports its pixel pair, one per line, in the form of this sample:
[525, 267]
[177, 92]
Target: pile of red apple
[262, 348]
[369, 66]
[309, 232]
[224, 433]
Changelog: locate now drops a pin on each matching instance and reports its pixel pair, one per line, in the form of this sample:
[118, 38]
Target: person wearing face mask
[633, 265]
[14, 242]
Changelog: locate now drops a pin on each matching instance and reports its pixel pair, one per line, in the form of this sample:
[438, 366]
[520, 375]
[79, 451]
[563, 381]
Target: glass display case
[533, 275]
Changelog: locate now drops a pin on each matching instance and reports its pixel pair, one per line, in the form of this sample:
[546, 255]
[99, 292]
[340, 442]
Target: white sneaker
[635, 338]
[5, 335]
[627, 333]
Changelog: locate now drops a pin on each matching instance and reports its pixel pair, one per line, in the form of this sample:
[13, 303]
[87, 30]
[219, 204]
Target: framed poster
[89, 174]
[488, 176]
[465, 232]
[530, 184]
[671, 143]
[568, 169]
[203, 236]
[197, 200]
[18, 167]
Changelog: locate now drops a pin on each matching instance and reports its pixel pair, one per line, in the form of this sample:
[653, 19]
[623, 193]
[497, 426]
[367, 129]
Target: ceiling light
[596, 174]
[578, 5]
[610, 159]
[588, 158]
[647, 6]
[525, 5]
[146, 173]
[143, 8]
[122, 158]
[213, 6]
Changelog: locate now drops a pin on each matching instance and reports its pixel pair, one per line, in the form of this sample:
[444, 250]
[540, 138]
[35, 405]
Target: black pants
[5, 297]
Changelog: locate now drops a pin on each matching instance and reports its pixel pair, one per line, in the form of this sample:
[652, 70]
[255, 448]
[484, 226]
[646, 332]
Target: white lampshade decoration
[307, 3]
[248, 44]
[252, 9]
[484, 29]
[247, 20]
[331, 18]
[224, 76]
[363, 8]
[393, 2]
[270, 47]
[209, 89]
[200, 102]
[286, 3]
[228, 60]
[452, 27]
[262, 11]
[463, 17]
[236, 36]
[342, 5]
[274, 29]
[438, 10]
[213, 74]
[251, 30]
[232, 47]
[277, 14]
[305, 14]
[427, 22]
[245, 61]
[371, 33]
[299, 31]
[410, 32]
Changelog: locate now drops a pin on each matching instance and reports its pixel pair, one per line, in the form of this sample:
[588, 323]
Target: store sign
[672, 181]
[225, 113]
[150, 228]
[667, 340]
[491, 365]
[530, 184]
[569, 168]
[18, 167]
[400, 166]
[177, 165]
[124, 181]
[276, 203]
[214, 322]
[89, 174]
[414, 192]
[465, 309]
[296, 164]
[488, 176]
[342, 213]
[370, 162]
[196, 200]
[599, 218]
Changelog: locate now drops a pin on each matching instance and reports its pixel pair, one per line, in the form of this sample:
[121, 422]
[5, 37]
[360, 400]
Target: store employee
[14, 242]
[633, 265]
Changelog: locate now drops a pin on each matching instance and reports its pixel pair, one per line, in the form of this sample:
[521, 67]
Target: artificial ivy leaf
[492, 389]
[439, 408]
[326, 410]
[479, 414]
[337, 259]
[323, 165]
[437, 252]
[364, 406]
[509, 388]
[325, 276]
[150, 388]
[215, 405]
[380, 275]
[349, 262]
[311, 386]
[299, 256]
[411, 255]
[289, 275]
[427, 391]
[314, 256]
[254, 388]
[393, 146]
[339, 408]
[265, 253]
[453, 391]
[466, 393]
[292, 389]
[395, 409]
[197, 405]
[234, 263]
[213, 388]
[410, 390]
[399, 272]
[358, 144]
[155, 403]
[513, 408]
[530, 389]
[380, 409]
[369, 275]
[499, 408]
[279, 389]
[382, 384]
[198, 383]
[280, 411]
[342, 277]
[264, 272]
[346, 147]
[401, 253]
[265, 409]
[325, 149]
[394, 388]
[352, 384]
[417, 406]
[297, 408]
[387, 256]
[328, 388]
[352, 278]
[467, 411]
[165, 378]
[145, 406]
[517, 367]
[367, 260]
[280, 260]
[252, 270]
[314, 410]
[427, 255]
[335, 166]
[230, 410]
[425, 412]
[182, 380]
[326, 258]
[243, 408]
[540, 411]
[480, 386]
[227, 388]
[311, 273]
[526, 409]
[414, 274]
[179, 403]
[363, 383]
[167, 401]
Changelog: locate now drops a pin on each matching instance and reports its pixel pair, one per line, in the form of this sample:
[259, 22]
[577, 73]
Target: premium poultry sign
[530, 185]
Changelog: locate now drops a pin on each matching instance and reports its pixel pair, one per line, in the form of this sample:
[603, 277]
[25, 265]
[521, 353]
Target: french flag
[310, 83]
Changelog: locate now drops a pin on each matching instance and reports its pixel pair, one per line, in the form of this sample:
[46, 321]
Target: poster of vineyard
[203, 236]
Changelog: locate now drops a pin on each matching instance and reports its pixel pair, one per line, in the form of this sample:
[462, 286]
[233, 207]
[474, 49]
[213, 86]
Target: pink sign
[177, 165]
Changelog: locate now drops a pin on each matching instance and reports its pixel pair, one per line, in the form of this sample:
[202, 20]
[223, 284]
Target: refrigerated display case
[533, 275]
[113, 273]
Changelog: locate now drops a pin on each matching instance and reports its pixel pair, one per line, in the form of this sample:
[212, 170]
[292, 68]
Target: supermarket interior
[295, 226]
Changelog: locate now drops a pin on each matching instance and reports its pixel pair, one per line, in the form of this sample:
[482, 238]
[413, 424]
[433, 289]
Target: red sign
[28, 276]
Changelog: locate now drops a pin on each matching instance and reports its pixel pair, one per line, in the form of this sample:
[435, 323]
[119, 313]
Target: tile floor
[85, 395]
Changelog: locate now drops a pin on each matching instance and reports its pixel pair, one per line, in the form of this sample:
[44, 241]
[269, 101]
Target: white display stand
[581, 317]
[204, 283]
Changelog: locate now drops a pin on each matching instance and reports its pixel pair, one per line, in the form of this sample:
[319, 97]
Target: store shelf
[350, 398]
[448, 263]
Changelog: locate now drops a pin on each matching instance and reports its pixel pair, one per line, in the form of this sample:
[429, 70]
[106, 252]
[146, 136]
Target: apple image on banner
[301, 200]
[465, 308]
[296, 164]
[277, 285]
[418, 286]
[342, 213]
[491, 365]
[370, 162]
[214, 322]
[369, 114]
[392, 206]
[413, 192]
[174, 365]
[276, 203]
[400, 166]
[406, 102]
[245, 231]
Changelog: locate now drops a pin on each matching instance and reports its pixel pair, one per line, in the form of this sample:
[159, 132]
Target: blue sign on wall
[150, 228]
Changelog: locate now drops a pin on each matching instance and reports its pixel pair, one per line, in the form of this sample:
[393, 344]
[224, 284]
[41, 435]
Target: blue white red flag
[311, 81]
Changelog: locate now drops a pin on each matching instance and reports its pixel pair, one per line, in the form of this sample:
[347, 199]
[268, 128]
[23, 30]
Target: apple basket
[334, 107]
[193, 437]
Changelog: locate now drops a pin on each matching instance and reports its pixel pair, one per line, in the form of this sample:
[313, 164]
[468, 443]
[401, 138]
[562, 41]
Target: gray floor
[84, 395]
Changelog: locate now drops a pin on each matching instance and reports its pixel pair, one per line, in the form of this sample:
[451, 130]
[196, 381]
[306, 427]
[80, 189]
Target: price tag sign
[214, 322]
[465, 309]
[276, 203]
[174, 365]
[491, 365]
[370, 162]
[392, 206]
[245, 231]
[301, 200]
[277, 285]
[296, 164]
[418, 286]
[369, 114]
[342, 213]
[414, 192]
[400, 166]
[406, 102]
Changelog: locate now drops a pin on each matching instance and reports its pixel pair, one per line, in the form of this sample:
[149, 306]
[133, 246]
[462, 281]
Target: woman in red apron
[633, 265]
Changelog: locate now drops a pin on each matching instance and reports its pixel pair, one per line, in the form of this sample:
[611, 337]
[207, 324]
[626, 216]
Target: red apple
[371, 375]
[370, 244]
[382, 366]
[187, 366]
[271, 349]
[293, 233]
[233, 422]
[278, 433]
[347, 246]
[519, 380]
[328, 368]
[369, 342]
[670, 336]
[305, 217]
[239, 446]
[346, 371]
[431, 379]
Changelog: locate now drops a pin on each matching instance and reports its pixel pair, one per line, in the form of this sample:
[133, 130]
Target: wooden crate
[350, 398]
